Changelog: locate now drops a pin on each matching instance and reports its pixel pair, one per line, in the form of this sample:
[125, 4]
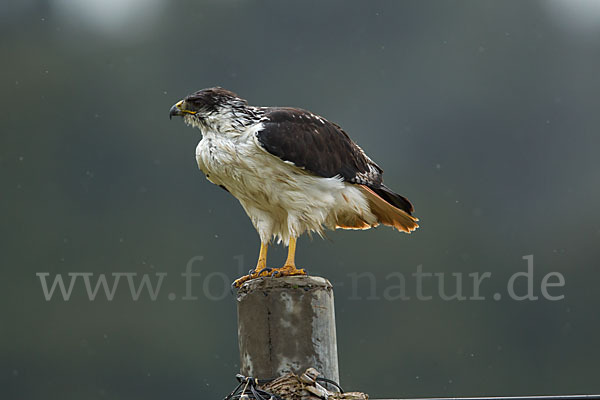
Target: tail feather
[393, 198]
[394, 212]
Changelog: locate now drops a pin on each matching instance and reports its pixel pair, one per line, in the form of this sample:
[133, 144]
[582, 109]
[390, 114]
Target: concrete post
[287, 325]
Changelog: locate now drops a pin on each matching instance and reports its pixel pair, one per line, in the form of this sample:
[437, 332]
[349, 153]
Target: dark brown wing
[316, 145]
[322, 148]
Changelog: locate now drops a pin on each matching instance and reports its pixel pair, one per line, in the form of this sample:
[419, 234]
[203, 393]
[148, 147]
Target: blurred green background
[483, 113]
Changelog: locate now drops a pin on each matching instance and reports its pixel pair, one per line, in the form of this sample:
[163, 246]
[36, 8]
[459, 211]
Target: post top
[303, 282]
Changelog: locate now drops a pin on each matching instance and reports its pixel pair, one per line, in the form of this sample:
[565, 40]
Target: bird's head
[208, 107]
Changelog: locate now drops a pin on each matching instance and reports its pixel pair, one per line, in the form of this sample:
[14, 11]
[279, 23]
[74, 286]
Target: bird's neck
[231, 120]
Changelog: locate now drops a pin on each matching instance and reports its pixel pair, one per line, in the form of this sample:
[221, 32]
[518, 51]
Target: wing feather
[316, 145]
[323, 148]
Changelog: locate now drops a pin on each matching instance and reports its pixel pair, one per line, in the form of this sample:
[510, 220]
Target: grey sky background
[483, 113]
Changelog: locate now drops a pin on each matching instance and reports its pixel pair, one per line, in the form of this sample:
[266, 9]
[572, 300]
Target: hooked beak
[176, 110]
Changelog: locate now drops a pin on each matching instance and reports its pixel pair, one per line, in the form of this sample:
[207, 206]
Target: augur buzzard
[292, 171]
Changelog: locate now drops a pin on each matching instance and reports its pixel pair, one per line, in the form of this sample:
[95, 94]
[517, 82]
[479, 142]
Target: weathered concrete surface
[287, 325]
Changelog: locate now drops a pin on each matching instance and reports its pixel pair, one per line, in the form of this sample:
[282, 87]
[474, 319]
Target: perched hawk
[291, 170]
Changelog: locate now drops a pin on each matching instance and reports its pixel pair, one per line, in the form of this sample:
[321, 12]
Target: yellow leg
[291, 257]
[260, 270]
[289, 268]
[262, 257]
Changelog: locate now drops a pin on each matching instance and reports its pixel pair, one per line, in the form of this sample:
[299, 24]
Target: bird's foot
[287, 270]
[252, 274]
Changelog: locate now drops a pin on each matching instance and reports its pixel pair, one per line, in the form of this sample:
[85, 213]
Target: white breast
[281, 199]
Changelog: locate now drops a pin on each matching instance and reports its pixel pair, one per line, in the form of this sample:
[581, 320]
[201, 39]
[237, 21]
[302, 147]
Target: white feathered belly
[281, 199]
